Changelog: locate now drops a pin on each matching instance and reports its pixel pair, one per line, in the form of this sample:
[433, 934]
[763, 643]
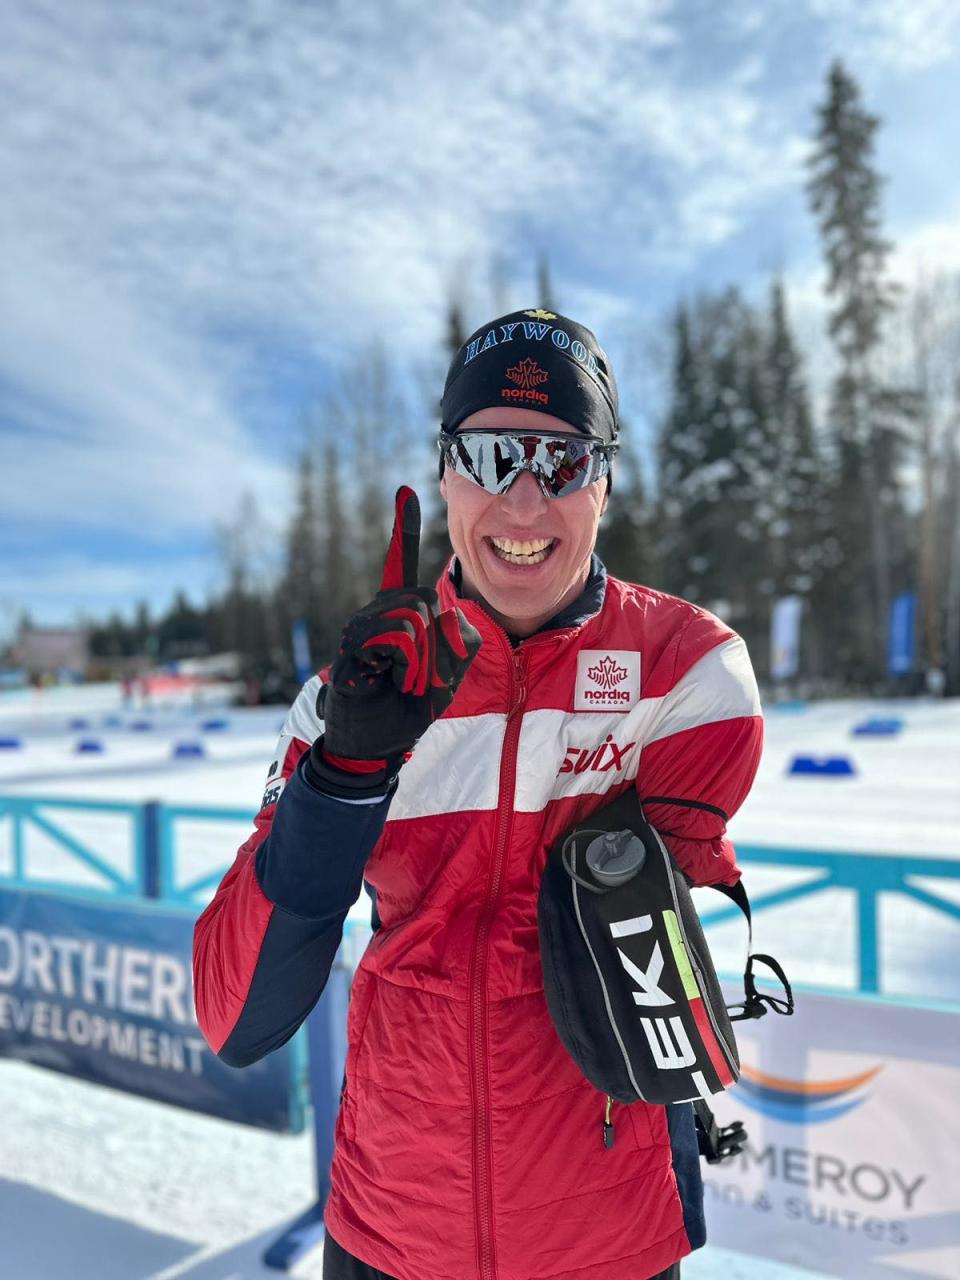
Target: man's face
[521, 597]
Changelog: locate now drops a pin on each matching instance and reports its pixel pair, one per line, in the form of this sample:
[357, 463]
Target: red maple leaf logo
[606, 673]
[527, 374]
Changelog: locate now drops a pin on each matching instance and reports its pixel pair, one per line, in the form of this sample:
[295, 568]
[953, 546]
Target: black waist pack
[629, 981]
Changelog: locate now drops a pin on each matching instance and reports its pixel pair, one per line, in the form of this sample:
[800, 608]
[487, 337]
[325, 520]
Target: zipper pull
[521, 675]
[608, 1125]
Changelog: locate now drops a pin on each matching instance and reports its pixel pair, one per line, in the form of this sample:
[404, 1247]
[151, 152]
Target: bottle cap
[615, 857]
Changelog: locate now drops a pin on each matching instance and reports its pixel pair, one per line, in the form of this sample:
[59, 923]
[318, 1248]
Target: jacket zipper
[483, 1182]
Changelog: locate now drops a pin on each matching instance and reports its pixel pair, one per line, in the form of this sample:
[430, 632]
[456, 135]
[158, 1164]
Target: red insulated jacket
[468, 1145]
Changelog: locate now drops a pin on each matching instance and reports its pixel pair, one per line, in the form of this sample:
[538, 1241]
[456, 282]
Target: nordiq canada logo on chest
[607, 680]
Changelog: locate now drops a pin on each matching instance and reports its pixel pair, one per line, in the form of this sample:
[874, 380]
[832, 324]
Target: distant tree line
[755, 492]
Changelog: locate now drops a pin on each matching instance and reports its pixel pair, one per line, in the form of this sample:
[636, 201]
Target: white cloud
[173, 175]
[121, 425]
[933, 246]
[325, 165]
[184, 185]
[896, 35]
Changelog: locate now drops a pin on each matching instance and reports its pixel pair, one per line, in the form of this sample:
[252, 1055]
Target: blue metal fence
[147, 844]
[50, 816]
[168, 822]
[156, 845]
[866, 875]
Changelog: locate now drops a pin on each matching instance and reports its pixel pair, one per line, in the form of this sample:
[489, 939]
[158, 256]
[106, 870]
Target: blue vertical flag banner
[103, 991]
[785, 637]
[301, 650]
[901, 642]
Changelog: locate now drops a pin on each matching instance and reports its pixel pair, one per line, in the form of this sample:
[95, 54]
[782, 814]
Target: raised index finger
[402, 565]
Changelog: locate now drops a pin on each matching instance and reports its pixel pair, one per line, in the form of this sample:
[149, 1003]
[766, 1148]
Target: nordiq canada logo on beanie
[528, 376]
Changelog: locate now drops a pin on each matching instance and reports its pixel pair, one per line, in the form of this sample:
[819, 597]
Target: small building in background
[59, 653]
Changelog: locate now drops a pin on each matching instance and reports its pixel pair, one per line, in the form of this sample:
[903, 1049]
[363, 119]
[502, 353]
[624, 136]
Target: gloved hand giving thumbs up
[399, 663]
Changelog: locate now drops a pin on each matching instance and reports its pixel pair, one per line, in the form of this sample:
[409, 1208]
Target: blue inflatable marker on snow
[89, 747]
[141, 726]
[11, 744]
[189, 751]
[822, 766]
[214, 726]
[878, 729]
[78, 725]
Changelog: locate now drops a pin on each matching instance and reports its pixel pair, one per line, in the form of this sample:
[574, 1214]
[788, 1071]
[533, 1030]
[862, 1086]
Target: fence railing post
[152, 852]
[16, 819]
[868, 905]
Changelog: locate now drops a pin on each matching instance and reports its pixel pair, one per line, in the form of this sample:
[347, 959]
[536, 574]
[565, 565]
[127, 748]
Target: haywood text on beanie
[534, 359]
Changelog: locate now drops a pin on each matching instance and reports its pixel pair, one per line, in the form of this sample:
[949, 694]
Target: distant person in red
[429, 762]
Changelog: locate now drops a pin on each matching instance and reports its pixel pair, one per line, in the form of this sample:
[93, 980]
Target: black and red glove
[400, 661]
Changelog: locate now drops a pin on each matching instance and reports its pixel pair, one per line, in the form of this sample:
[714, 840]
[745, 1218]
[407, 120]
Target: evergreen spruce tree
[303, 580]
[457, 330]
[728, 493]
[184, 629]
[143, 629]
[243, 624]
[795, 466]
[371, 409]
[865, 422]
[624, 542]
[435, 549]
[801, 517]
[679, 451]
[719, 462]
[340, 595]
[546, 297]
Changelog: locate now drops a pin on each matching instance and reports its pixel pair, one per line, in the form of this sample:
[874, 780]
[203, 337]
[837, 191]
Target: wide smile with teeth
[522, 552]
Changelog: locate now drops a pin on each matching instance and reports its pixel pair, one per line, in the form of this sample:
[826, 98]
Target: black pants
[340, 1265]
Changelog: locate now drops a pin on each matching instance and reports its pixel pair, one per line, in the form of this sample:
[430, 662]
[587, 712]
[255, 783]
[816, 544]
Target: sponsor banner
[785, 637]
[901, 634]
[851, 1111]
[104, 991]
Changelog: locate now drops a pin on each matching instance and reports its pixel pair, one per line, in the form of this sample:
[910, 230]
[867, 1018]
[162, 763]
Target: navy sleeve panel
[310, 867]
[292, 970]
[311, 863]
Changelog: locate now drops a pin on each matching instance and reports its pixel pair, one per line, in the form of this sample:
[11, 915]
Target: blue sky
[209, 208]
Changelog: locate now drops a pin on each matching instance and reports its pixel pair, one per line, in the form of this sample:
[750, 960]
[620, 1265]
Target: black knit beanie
[534, 359]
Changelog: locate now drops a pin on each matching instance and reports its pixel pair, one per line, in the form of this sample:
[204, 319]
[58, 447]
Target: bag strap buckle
[716, 1142]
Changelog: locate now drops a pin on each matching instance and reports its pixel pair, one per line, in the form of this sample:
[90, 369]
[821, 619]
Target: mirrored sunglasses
[494, 459]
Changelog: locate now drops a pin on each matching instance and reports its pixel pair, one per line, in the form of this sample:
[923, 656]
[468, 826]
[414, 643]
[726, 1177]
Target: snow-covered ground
[96, 1183]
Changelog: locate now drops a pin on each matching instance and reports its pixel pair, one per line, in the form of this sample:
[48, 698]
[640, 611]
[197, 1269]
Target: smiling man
[457, 734]
[524, 547]
[522, 554]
